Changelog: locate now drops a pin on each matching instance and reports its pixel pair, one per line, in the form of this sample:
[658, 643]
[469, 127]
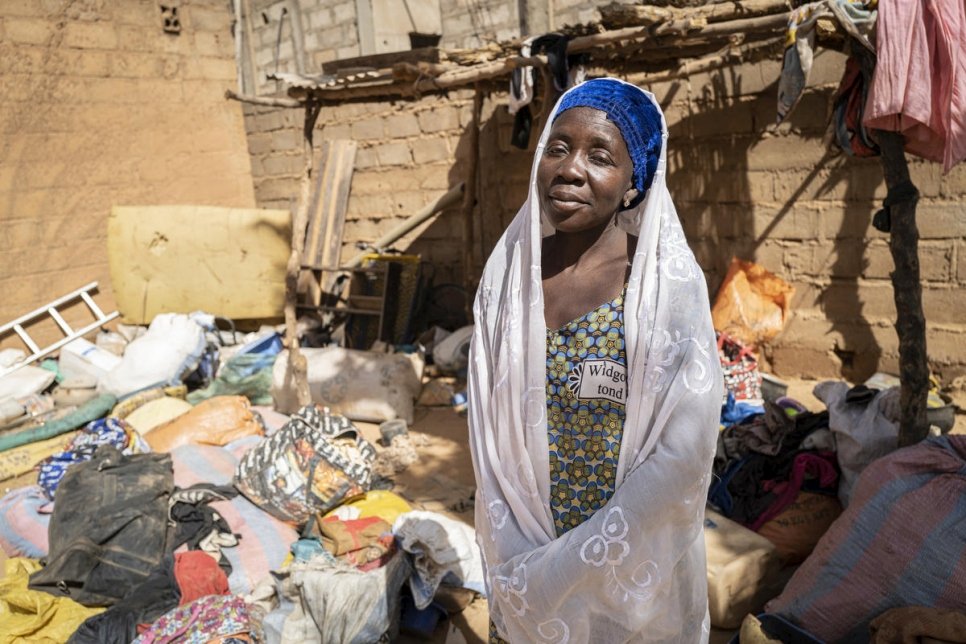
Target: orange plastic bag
[216, 421]
[752, 304]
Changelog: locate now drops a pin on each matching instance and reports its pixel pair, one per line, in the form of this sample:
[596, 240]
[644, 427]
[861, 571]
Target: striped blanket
[901, 542]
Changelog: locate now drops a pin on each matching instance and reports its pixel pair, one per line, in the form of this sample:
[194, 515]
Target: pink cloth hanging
[919, 86]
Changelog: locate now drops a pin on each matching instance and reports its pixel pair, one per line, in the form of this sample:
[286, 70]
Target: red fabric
[919, 86]
[818, 465]
[198, 575]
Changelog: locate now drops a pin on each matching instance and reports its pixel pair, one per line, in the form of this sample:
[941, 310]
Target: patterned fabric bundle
[220, 619]
[635, 571]
[312, 464]
[106, 431]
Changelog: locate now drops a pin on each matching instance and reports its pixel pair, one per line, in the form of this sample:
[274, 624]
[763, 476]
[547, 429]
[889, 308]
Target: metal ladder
[50, 309]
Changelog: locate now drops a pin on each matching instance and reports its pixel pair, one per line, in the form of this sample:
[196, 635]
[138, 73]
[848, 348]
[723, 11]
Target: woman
[593, 426]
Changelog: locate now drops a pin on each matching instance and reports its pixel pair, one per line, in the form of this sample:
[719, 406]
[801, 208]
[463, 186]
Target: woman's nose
[571, 168]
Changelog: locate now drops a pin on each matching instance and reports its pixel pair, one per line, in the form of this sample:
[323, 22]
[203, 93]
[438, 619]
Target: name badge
[599, 378]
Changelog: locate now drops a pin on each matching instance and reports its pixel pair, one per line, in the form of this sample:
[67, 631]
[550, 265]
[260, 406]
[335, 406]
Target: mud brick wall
[98, 106]
[781, 196]
[409, 154]
[787, 199]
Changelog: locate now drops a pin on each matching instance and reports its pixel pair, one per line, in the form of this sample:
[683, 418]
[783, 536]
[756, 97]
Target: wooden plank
[330, 199]
[381, 61]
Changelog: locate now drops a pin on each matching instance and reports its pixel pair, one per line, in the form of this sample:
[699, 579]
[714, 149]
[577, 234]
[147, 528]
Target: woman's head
[600, 156]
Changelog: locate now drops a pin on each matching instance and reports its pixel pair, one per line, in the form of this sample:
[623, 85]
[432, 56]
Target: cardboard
[177, 259]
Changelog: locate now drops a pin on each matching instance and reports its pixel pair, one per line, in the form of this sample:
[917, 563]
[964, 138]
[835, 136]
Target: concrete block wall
[98, 106]
[475, 23]
[786, 198]
[781, 196]
[409, 154]
[329, 32]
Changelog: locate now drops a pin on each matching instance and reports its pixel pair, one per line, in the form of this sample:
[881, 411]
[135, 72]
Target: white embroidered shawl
[635, 571]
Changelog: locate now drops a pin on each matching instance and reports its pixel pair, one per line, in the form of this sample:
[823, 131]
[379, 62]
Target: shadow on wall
[786, 199]
[782, 197]
[503, 174]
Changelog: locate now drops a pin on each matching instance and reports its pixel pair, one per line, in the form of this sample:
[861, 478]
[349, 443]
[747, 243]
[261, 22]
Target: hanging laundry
[919, 85]
[849, 107]
[554, 45]
[521, 81]
[857, 17]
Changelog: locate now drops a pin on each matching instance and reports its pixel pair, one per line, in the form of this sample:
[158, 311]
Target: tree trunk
[297, 368]
[910, 321]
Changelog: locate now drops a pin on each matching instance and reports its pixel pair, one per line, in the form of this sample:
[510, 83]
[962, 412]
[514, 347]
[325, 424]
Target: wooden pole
[297, 368]
[910, 321]
[469, 197]
[268, 101]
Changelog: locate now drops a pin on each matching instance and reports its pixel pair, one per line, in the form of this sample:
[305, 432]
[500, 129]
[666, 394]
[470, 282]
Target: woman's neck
[563, 251]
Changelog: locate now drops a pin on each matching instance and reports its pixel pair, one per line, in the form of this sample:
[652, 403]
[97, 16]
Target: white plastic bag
[863, 432]
[170, 350]
[443, 550]
[361, 385]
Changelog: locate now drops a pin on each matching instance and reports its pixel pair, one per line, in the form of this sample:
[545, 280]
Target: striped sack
[901, 542]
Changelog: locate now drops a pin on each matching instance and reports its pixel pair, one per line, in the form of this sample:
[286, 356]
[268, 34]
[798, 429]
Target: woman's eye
[556, 150]
[600, 159]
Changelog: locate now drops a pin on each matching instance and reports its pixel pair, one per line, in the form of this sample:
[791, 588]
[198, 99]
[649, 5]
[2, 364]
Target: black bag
[109, 527]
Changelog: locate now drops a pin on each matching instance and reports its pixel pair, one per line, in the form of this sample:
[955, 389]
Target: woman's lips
[564, 200]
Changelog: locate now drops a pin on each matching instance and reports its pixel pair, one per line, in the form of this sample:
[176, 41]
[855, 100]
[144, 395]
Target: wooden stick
[297, 367]
[467, 75]
[469, 197]
[762, 23]
[449, 198]
[618, 15]
[910, 321]
[270, 101]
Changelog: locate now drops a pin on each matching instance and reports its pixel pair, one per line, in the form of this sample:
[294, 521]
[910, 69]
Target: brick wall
[99, 107]
[786, 199]
[474, 23]
[409, 154]
[779, 196]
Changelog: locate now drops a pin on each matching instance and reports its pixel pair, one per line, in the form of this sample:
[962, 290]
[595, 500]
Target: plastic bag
[752, 304]
[740, 367]
[170, 350]
[213, 422]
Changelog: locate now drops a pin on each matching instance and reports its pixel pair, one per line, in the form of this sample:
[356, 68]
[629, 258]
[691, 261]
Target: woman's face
[585, 171]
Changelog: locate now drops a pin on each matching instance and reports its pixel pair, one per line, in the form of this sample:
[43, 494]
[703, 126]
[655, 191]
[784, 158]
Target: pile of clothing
[177, 517]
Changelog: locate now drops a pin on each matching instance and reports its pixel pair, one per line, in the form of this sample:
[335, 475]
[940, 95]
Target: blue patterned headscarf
[635, 116]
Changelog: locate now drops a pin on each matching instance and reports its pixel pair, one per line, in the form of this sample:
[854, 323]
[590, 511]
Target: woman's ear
[630, 196]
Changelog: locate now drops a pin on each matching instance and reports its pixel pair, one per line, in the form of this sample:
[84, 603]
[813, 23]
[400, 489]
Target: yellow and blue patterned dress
[586, 395]
[586, 398]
